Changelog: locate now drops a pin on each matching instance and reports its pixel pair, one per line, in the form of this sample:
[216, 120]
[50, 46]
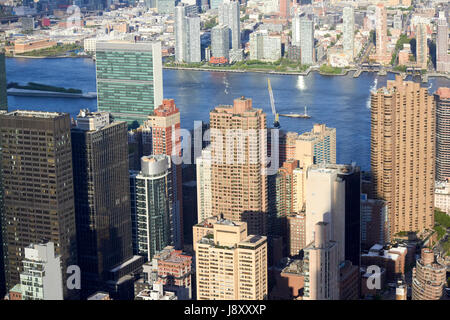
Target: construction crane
[276, 123]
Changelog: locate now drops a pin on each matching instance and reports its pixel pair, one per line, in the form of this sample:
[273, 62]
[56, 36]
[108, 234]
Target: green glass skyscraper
[129, 79]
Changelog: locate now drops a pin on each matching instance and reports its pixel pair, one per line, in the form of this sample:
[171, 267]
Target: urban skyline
[122, 203]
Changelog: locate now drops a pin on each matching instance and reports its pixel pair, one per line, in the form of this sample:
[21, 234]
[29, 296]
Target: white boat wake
[373, 88]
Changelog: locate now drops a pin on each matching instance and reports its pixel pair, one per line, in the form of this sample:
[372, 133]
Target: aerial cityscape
[224, 150]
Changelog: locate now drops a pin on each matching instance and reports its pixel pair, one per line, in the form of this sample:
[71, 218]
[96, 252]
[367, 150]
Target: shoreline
[212, 69]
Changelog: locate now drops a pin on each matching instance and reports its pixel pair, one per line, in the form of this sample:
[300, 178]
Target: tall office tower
[421, 46]
[333, 196]
[442, 97]
[2, 263]
[229, 16]
[204, 197]
[230, 264]
[180, 33]
[403, 153]
[152, 205]
[165, 131]
[38, 187]
[381, 55]
[129, 79]
[187, 35]
[429, 277]
[3, 95]
[193, 44]
[296, 33]
[238, 181]
[307, 40]
[220, 42]
[442, 56]
[321, 265]
[41, 278]
[349, 31]
[102, 201]
[316, 146]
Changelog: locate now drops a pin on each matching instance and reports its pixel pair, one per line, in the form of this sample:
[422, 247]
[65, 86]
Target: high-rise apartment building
[381, 54]
[230, 264]
[264, 46]
[129, 79]
[421, 46]
[238, 152]
[442, 55]
[442, 97]
[307, 41]
[152, 206]
[285, 8]
[220, 42]
[204, 196]
[295, 40]
[349, 31]
[296, 233]
[38, 187]
[187, 35]
[321, 265]
[374, 222]
[429, 277]
[102, 201]
[164, 123]
[317, 146]
[3, 94]
[229, 16]
[403, 153]
[41, 278]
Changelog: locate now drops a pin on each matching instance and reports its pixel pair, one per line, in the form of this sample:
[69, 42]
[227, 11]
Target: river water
[341, 102]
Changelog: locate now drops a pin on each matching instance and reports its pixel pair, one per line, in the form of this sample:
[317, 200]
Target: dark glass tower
[102, 202]
[38, 187]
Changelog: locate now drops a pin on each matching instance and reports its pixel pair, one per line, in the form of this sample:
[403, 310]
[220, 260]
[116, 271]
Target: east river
[341, 102]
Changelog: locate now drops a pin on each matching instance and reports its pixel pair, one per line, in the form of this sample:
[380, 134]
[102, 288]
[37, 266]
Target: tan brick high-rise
[403, 153]
[238, 183]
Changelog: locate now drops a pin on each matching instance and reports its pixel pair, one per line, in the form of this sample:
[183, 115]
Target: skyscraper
[429, 277]
[316, 146]
[230, 263]
[285, 8]
[204, 197]
[296, 34]
[187, 35]
[381, 54]
[152, 206]
[129, 79]
[38, 187]
[3, 95]
[220, 41]
[403, 153]
[442, 97]
[442, 56]
[321, 265]
[333, 196]
[229, 16]
[421, 45]
[102, 201]
[349, 31]
[307, 40]
[238, 181]
[165, 132]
